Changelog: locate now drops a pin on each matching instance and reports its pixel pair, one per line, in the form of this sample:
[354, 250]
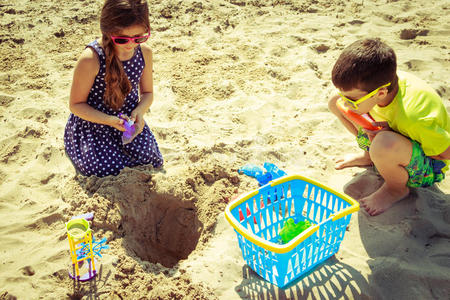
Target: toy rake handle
[364, 120]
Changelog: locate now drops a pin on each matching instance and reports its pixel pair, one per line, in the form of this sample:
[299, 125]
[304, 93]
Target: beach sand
[236, 82]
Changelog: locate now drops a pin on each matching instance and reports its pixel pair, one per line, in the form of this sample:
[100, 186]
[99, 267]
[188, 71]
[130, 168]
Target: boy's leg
[353, 160]
[391, 153]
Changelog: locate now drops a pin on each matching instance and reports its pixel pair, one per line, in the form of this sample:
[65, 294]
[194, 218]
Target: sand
[236, 82]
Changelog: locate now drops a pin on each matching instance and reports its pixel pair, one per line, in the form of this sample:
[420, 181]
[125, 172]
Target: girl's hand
[372, 133]
[116, 122]
[138, 119]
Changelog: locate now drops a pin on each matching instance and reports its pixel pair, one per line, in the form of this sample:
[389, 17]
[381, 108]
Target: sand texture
[236, 82]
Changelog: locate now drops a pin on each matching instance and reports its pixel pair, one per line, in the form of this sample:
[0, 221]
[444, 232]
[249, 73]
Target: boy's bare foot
[355, 160]
[382, 199]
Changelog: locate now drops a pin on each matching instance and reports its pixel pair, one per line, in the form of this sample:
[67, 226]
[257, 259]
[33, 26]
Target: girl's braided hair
[117, 15]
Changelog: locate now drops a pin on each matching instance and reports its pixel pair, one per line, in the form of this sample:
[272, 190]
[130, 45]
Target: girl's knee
[109, 167]
[155, 158]
[157, 163]
[151, 156]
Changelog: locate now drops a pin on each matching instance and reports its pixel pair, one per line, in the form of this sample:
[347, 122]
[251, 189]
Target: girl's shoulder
[89, 61]
[146, 52]
[146, 48]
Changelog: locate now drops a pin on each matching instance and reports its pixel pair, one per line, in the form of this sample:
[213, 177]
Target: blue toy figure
[251, 170]
[256, 172]
[263, 175]
[273, 170]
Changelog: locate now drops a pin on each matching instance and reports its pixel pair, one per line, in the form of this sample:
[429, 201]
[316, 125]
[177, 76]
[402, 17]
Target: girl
[113, 77]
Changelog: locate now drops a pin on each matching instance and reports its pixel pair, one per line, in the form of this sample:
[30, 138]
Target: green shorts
[423, 170]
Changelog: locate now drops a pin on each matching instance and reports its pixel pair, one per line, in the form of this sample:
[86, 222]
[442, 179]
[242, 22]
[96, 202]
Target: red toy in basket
[364, 120]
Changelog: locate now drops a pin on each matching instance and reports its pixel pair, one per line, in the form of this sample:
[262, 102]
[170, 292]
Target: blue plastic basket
[258, 217]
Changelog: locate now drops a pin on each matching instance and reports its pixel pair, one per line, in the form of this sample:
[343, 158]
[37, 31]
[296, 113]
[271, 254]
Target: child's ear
[382, 93]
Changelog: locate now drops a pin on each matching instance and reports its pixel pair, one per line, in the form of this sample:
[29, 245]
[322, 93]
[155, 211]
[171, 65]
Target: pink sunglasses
[123, 40]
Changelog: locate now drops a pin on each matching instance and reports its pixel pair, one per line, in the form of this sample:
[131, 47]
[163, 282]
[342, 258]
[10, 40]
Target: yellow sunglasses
[355, 103]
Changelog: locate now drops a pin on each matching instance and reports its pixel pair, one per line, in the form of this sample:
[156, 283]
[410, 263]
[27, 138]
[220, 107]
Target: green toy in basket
[290, 230]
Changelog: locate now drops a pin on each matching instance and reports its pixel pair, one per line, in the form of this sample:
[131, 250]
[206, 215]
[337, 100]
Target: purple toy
[130, 129]
[87, 216]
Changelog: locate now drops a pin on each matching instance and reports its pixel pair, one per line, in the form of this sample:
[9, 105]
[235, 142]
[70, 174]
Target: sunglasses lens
[120, 41]
[141, 39]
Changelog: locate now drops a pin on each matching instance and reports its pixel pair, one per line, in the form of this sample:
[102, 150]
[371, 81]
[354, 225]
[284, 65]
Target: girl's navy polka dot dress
[97, 149]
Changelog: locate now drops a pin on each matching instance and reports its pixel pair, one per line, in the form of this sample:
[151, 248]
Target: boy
[413, 147]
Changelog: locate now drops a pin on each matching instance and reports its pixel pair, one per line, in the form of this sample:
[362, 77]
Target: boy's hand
[372, 133]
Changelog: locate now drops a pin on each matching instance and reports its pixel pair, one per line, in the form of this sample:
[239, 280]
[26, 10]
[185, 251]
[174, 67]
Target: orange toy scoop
[364, 120]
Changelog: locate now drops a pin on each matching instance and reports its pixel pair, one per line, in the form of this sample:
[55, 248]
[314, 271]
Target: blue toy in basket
[257, 218]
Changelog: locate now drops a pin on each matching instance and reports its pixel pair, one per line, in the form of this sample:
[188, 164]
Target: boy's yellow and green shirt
[417, 112]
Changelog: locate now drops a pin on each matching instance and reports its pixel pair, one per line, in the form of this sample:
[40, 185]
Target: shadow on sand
[330, 280]
[407, 245]
[90, 290]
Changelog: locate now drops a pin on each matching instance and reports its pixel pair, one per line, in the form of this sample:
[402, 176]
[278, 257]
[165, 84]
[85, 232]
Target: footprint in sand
[416, 64]
[363, 185]
[410, 34]
[6, 100]
[28, 271]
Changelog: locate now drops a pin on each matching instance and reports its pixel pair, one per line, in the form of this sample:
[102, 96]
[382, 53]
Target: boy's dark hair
[366, 65]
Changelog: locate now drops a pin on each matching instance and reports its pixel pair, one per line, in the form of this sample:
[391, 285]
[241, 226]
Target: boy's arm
[443, 156]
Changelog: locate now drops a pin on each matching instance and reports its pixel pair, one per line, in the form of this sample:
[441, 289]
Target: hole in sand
[161, 229]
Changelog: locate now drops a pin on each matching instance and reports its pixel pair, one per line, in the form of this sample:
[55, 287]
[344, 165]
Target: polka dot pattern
[97, 149]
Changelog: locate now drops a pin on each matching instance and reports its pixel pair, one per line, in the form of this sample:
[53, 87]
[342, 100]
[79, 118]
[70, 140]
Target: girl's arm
[83, 78]
[146, 89]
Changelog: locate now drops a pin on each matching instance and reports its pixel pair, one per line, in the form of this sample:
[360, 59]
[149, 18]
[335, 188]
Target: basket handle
[347, 211]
